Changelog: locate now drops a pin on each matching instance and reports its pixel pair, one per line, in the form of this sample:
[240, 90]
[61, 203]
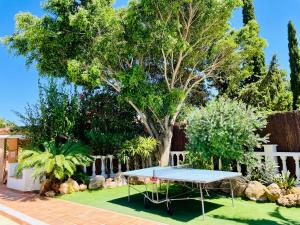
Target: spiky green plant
[55, 161]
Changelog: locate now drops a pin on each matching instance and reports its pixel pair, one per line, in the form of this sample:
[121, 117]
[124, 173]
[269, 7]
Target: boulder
[289, 200]
[69, 187]
[45, 186]
[97, 182]
[50, 194]
[120, 179]
[136, 180]
[274, 192]
[239, 185]
[64, 188]
[213, 185]
[111, 184]
[256, 191]
[82, 187]
[295, 190]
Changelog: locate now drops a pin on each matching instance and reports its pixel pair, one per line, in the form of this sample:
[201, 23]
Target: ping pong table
[197, 178]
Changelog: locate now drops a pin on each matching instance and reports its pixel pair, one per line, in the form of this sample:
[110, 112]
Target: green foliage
[285, 181]
[55, 162]
[140, 147]
[198, 161]
[294, 55]
[258, 170]
[271, 92]
[248, 11]
[104, 122]
[54, 115]
[81, 178]
[6, 124]
[153, 53]
[225, 129]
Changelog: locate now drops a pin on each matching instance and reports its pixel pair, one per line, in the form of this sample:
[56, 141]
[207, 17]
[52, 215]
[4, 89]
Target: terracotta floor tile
[59, 212]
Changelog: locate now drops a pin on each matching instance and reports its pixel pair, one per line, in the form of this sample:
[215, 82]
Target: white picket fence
[107, 167]
[270, 153]
[176, 158]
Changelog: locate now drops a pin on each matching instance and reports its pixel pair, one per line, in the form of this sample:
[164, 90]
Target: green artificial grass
[218, 209]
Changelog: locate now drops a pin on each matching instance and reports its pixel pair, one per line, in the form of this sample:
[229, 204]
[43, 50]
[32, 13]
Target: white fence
[106, 164]
[177, 158]
[270, 152]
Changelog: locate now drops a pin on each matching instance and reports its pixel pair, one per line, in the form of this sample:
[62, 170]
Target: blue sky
[18, 84]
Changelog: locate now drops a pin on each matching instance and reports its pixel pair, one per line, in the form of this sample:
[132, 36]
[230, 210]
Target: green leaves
[55, 161]
[225, 129]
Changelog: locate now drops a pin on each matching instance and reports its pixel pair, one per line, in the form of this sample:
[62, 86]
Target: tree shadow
[281, 220]
[182, 209]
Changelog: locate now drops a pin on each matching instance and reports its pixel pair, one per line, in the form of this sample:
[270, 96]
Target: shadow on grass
[280, 219]
[184, 211]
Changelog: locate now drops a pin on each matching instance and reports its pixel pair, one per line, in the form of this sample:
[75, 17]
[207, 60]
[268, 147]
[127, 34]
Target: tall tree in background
[248, 11]
[294, 63]
[271, 92]
[153, 54]
[257, 63]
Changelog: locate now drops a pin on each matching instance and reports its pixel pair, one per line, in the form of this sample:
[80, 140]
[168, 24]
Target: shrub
[137, 148]
[285, 181]
[258, 170]
[225, 129]
[55, 162]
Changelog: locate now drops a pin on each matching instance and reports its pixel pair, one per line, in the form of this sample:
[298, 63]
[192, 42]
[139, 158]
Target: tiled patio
[59, 212]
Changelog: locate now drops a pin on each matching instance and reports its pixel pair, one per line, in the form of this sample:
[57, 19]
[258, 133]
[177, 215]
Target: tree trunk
[165, 146]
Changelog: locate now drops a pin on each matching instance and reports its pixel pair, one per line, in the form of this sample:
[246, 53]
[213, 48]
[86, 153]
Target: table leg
[202, 201]
[232, 196]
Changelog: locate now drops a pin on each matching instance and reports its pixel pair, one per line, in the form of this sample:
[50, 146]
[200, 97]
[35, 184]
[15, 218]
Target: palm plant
[55, 161]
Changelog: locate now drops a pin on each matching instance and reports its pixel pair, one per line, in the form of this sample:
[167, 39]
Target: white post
[84, 169]
[239, 169]
[111, 165]
[172, 159]
[150, 161]
[284, 167]
[220, 164]
[94, 167]
[103, 166]
[178, 159]
[297, 158]
[2, 158]
[269, 151]
[119, 167]
[127, 164]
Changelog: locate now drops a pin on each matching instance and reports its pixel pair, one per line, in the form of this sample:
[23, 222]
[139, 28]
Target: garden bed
[218, 208]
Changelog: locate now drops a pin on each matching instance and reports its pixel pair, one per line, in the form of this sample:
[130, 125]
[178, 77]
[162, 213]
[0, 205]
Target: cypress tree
[257, 62]
[294, 63]
[248, 11]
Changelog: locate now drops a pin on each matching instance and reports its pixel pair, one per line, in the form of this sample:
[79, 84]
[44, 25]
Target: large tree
[153, 53]
[257, 62]
[271, 92]
[294, 63]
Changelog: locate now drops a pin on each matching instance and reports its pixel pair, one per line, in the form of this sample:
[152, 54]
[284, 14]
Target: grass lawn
[218, 209]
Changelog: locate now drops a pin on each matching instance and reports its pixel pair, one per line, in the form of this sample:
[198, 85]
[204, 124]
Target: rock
[64, 188]
[213, 185]
[120, 179]
[111, 184]
[45, 186]
[55, 187]
[239, 185]
[295, 190]
[139, 180]
[256, 191]
[69, 187]
[97, 182]
[82, 187]
[274, 192]
[289, 200]
[50, 194]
